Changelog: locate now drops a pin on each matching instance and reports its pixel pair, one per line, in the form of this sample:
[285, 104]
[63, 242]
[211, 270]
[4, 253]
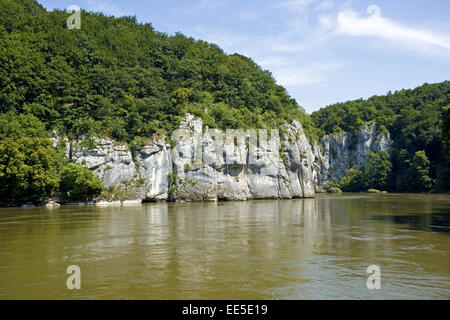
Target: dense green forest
[418, 122]
[117, 78]
[121, 79]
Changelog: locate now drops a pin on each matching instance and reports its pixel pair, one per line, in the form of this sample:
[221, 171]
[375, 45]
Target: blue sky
[322, 51]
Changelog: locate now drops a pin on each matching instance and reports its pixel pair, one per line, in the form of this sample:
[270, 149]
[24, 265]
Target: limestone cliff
[341, 151]
[201, 167]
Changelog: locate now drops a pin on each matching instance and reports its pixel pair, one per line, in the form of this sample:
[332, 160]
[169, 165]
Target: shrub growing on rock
[79, 183]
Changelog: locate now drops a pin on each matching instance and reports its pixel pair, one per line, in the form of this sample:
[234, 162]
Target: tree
[28, 170]
[446, 129]
[416, 119]
[82, 82]
[354, 180]
[419, 172]
[24, 125]
[378, 169]
[373, 175]
[79, 183]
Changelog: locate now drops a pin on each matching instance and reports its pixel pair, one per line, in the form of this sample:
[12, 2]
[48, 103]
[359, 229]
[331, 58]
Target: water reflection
[438, 222]
[287, 249]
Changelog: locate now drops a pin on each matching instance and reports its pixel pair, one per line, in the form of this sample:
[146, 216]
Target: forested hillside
[123, 79]
[112, 78]
[418, 121]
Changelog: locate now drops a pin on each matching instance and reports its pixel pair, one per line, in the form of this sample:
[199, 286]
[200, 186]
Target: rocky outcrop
[206, 172]
[341, 151]
[210, 165]
[142, 174]
[154, 165]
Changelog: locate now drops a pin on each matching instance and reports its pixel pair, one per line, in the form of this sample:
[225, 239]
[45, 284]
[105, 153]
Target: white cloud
[326, 20]
[291, 74]
[325, 5]
[210, 4]
[106, 8]
[295, 19]
[285, 56]
[251, 15]
[247, 16]
[351, 23]
[299, 16]
[297, 56]
[294, 5]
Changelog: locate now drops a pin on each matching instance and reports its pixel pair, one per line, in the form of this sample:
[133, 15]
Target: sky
[321, 51]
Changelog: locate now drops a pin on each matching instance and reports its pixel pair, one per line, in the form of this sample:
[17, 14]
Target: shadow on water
[434, 222]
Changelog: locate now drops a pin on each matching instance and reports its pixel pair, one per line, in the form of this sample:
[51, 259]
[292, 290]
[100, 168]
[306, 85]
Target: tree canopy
[116, 77]
[417, 120]
[32, 169]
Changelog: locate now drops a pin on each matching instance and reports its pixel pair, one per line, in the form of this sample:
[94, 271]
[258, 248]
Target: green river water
[269, 249]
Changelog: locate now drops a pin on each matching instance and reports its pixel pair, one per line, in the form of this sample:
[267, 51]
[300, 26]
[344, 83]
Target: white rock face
[154, 164]
[143, 177]
[202, 168]
[111, 162]
[204, 171]
[343, 150]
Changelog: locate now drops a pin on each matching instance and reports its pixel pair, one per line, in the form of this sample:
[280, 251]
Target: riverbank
[117, 203]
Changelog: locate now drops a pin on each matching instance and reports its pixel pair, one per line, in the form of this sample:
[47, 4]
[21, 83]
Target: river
[269, 249]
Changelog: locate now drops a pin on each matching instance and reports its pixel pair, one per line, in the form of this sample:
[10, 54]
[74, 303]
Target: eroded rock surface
[200, 167]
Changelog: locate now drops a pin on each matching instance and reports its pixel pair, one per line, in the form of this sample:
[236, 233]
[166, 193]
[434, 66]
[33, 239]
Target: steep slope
[117, 78]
